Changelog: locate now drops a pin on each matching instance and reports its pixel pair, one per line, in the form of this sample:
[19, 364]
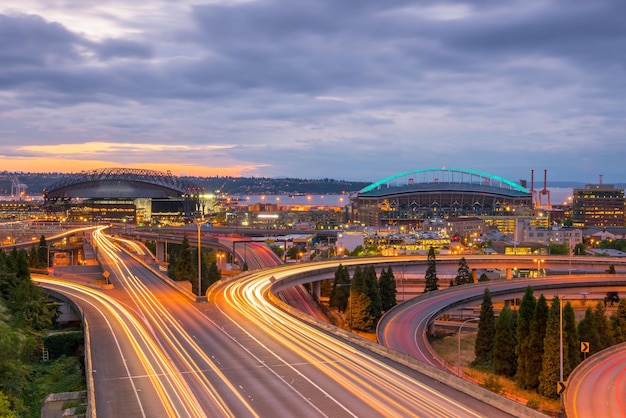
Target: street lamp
[561, 340]
[458, 370]
[199, 222]
[538, 261]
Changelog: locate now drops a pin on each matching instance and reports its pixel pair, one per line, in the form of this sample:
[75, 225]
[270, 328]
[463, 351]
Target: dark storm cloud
[27, 40]
[393, 85]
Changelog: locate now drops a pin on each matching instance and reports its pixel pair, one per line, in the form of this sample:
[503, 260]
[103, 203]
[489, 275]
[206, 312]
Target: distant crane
[533, 192]
[18, 189]
[544, 192]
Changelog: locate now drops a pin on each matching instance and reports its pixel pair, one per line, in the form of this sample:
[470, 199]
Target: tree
[213, 275]
[504, 344]
[360, 312]
[611, 298]
[618, 322]
[483, 348]
[580, 249]
[340, 291]
[358, 315]
[33, 258]
[5, 407]
[522, 348]
[549, 375]
[537, 334]
[432, 282]
[570, 340]
[43, 252]
[278, 250]
[603, 324]
[373, 293]
[588, 332]
[387, 287]
[292, 252]
[464, 274]
[483, 278]
[184, 266]
[559, 249]
[611, 269]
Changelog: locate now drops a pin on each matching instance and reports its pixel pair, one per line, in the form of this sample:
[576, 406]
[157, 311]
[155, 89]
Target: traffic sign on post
[584, 346]
[560, 387]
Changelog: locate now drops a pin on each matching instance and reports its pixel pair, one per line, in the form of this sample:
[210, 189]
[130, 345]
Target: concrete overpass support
[160, 251]
[316, 290]
[509, 273]
[474, 276]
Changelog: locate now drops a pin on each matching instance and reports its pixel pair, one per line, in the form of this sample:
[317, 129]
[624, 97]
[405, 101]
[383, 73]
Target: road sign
[560, 387]
[584, 346]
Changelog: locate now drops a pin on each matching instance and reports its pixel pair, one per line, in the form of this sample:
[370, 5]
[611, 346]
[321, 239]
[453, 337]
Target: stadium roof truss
[434, 177]
[104, 182]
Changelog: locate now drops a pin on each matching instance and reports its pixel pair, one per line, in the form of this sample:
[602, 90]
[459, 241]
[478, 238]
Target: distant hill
[263, 185]
[37, 182]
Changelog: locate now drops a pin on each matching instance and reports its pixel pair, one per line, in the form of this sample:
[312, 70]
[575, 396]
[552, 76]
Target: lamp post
[538, 261]
[561, 340]
[458, 370]
[199, 222]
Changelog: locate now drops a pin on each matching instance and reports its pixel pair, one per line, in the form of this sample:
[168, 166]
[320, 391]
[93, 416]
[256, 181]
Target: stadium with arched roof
[415, 195]
[115, 183]
[122, 194]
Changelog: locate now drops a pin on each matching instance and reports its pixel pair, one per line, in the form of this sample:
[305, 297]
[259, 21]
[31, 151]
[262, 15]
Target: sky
[349, 90]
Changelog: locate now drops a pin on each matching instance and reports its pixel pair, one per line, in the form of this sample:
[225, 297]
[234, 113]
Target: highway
[132, 375]
[240, 356]
[597, 388]
[404, 328]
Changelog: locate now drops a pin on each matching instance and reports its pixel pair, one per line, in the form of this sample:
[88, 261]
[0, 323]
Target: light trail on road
[166, 329]
[165, 380]
[239, 355]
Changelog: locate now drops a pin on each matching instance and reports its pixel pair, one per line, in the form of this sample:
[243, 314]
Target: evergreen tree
[483, 278]
[30, 307]
[464, 274]
[588, 332]
[571, 341]
[504, 344]
[537, 334]
[340, 291]
[522, 348]
[603, 323]
[325, 288]
[33, 258]
[358, 316]
[43, 252]
[359, 308]
[387, 286]
[373, 293]
[551, 361]
[618, 322]
[213, 274]
[483, 348]
[185, 269]
[19, 263]
[432, 282]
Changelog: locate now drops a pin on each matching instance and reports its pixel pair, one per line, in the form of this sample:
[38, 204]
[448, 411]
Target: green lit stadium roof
[446, 176]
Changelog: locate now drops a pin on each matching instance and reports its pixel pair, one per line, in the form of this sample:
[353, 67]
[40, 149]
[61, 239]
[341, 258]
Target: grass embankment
[445, 343]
